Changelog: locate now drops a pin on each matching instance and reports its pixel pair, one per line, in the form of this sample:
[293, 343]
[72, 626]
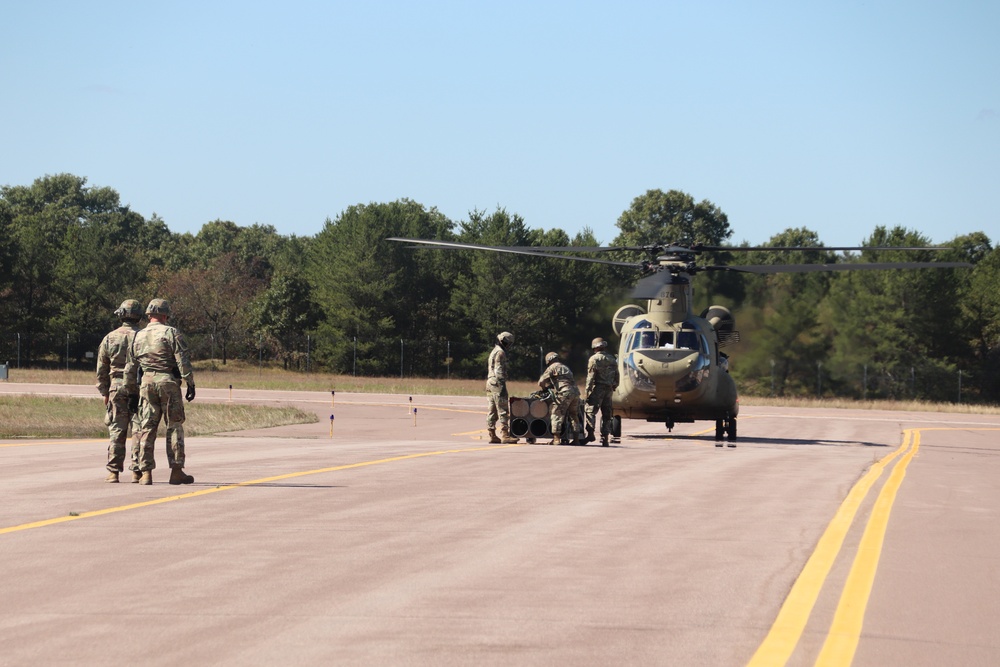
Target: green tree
[980, 309]
[74, 251]
[671, 217]
[783, 335]
[285, 314]
[374, 293]
[892, 326]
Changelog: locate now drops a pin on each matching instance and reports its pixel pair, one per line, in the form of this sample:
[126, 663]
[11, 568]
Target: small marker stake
[414, 416]
[331, 426]
[333, 396]
[411, 404]
[230, 393]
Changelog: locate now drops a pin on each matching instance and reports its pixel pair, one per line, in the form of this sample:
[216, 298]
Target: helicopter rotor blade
[516, 250]
[815, 268]
[715, 248]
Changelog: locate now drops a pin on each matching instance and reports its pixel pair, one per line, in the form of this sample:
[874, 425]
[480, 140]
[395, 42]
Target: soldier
[119, 410]
[159, 354]
[602, 380]
[566, 407]
[496, 391]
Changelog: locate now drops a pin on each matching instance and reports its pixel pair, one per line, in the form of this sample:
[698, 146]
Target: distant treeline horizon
[348, 301]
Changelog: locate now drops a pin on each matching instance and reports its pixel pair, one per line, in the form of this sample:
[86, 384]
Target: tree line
[346, 300]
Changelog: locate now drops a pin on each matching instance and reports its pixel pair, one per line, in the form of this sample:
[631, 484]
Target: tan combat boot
[494, 440]
[112, 477]
[147, 478]
[177, 476]
[506, 438]
[136, 476]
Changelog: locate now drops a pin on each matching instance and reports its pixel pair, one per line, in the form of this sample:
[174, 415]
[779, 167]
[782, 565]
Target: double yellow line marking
[263, 480]
[791, 621]
[845, 631]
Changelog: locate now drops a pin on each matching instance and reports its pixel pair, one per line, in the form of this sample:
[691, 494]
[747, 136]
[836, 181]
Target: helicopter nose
[676, 375]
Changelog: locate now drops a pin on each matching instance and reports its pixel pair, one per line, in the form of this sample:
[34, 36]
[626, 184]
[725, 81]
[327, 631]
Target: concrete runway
[826, 537]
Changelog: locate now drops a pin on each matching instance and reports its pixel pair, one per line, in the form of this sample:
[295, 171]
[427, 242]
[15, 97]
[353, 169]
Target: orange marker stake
[331, 426]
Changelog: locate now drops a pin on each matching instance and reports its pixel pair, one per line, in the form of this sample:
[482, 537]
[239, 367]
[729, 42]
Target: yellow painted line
[787, 629]
[845, 632]
[217, 489]
[34, 443]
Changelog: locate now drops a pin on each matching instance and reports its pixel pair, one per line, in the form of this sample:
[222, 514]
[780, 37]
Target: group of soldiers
[565, 417]
[139, 374]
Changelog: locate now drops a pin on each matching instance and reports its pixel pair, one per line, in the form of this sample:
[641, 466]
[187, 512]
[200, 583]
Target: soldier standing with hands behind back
[160, 353]
[496, 391]
[111, 384]
[602, 380]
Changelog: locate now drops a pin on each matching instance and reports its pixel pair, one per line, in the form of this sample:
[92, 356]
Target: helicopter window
[687, 340]
[646, 339]
[643, 324]
[667, 339]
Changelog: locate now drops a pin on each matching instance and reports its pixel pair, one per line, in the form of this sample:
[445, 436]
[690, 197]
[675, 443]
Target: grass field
[79, 418]
[54, 417]
[244, 376]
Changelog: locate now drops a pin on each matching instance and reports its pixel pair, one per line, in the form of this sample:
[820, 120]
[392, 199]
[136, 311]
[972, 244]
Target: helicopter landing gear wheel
[720, 431]
[616, 426]
[731, 431]
[670, 425]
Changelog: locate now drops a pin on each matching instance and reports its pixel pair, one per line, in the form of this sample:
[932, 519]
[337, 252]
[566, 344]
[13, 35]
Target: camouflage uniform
[566, 406]
[111, 385]
[162, 354]
[496, 391]
[602, 380]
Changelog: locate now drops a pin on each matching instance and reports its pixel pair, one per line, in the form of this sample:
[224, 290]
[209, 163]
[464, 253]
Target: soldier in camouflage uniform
[566, 407]
[496, 391]
[602, 380]
[119, 409]
[160, 353]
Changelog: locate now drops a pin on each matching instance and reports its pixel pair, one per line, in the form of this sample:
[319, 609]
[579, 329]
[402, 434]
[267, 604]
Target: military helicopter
[670, 360]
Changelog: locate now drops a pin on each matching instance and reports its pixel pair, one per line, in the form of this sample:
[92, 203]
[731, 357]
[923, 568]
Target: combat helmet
[550, 357]
[129, 311]
[158, 307]
[506, 339]
[599, 344]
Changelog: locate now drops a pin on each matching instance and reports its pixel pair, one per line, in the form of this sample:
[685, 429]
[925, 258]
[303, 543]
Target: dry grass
[247, 376]
[244, 376]
[896, 406]
[52, 417]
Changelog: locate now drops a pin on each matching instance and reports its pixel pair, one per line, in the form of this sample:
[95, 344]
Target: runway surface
[391, 537]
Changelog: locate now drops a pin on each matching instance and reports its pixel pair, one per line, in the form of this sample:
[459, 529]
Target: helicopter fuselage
[670, 366]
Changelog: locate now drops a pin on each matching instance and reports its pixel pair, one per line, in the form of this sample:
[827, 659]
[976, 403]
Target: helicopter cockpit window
[667, 339]
[689, 338]
[645, 339]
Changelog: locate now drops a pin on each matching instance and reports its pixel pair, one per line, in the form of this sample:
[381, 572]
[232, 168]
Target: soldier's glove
[190, 393]
[133, 404]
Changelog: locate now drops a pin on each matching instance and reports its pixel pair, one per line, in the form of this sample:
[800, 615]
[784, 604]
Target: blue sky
[835, 116]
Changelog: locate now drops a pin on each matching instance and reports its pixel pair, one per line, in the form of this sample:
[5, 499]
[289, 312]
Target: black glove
[190, 393]
[133, 404]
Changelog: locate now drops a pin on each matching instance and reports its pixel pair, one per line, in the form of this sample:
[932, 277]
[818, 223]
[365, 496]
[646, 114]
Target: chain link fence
[403, 358]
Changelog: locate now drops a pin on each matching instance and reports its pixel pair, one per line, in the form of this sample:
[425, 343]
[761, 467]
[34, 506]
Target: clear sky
[835, 116]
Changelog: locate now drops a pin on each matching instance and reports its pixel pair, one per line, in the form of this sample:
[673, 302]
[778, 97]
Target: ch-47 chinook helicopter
[670, 360]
